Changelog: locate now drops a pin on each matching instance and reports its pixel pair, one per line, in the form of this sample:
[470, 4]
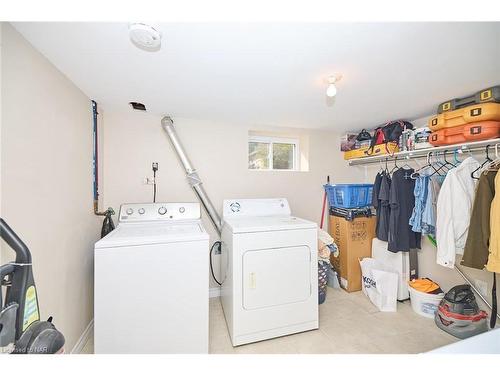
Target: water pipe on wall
[95, 166]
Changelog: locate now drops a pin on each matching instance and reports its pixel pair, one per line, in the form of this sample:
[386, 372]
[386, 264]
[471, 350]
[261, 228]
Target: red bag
[389, 133]
[378, 137]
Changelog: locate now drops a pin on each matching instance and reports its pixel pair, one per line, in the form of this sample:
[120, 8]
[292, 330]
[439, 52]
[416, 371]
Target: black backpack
[363, 136]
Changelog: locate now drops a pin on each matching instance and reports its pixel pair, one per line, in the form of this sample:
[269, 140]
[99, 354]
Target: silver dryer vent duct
[191, 174]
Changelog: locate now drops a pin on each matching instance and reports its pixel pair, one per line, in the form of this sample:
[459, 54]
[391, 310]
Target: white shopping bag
[379, 284]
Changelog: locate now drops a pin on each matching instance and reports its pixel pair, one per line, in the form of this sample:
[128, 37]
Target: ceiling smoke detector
[145, 37]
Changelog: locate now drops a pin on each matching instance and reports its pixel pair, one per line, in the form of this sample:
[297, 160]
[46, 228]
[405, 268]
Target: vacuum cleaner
[459, 315]
[21, 331]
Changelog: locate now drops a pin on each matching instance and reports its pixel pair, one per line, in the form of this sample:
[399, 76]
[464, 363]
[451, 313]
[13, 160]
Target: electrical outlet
[482, 286]
[148, 181]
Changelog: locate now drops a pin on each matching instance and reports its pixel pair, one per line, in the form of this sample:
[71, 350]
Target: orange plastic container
[476, 131]
[466, 115]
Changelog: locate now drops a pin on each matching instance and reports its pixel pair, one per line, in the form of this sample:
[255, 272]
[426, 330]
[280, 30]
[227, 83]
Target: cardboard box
[354, 240]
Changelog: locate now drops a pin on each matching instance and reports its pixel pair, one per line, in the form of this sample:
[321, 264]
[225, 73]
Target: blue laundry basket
[349, 195]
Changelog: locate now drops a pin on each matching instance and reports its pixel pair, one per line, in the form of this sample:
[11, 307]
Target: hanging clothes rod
[422, 153]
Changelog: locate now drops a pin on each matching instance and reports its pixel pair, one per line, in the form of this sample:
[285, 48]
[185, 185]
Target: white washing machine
[271, 283]
[151, 281]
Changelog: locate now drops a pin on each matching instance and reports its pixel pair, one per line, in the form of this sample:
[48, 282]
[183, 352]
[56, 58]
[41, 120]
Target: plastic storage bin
[424, 304]
[463, 116]
[349, 195]
[491, 94]
[476, 131]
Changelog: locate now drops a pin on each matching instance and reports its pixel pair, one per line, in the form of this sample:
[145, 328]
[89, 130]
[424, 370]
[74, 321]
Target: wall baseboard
[214, 292]
[80, 344]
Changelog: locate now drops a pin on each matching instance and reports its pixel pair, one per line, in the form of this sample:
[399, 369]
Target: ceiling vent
[138, 106]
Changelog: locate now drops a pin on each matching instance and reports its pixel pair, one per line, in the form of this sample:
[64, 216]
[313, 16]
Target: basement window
[273, 153]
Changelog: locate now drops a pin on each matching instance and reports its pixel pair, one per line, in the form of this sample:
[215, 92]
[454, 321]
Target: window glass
[258, 155]
[283, 155]
[272, 153]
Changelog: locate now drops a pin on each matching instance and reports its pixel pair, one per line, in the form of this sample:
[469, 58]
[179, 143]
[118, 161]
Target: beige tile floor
[348, 322]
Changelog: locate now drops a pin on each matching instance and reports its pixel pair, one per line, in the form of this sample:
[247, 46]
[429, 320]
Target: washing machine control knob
[162, 210]
[181, 210]
[235, 207]
[130, 211]
[141, 211]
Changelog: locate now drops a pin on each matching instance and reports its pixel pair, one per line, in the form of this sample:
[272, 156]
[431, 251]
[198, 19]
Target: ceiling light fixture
[145, 37]
[331, 91]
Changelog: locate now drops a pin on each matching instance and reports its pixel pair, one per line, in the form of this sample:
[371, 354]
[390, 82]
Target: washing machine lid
[253, 224]
[134, 234]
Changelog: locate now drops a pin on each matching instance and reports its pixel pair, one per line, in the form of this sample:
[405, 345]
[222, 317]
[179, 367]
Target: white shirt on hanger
[454, 208]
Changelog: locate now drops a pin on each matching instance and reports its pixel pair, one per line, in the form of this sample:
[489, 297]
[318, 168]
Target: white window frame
[271, 141]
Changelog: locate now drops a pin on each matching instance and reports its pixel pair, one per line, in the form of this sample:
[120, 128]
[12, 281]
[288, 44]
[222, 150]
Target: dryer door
[276, 276]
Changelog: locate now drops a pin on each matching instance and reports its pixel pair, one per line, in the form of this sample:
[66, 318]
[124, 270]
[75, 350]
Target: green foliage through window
[267, 153]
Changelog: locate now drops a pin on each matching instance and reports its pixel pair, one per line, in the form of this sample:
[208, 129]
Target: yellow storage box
[466, 115]
[386, 148]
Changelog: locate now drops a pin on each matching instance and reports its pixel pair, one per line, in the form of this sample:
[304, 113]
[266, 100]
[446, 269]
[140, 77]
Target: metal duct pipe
[475, 289]
[191, 174]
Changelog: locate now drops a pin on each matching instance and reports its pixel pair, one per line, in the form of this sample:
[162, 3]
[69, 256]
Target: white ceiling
[273, 74]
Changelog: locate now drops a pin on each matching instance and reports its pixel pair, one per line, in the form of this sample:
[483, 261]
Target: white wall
[46, 181]
[133, 140]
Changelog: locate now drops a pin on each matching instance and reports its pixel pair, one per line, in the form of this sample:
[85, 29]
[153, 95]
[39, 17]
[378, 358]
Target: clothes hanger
[454, 160]
[395, 166]
[436, 165]
[416, 173]
[455, 156]
[437, 161]
[488, 160]
[386, 167]
[406, 167]
[406, 163]
[447, 164]
[381, 170]
[495, 164]
[440, 167]
[431, 164]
